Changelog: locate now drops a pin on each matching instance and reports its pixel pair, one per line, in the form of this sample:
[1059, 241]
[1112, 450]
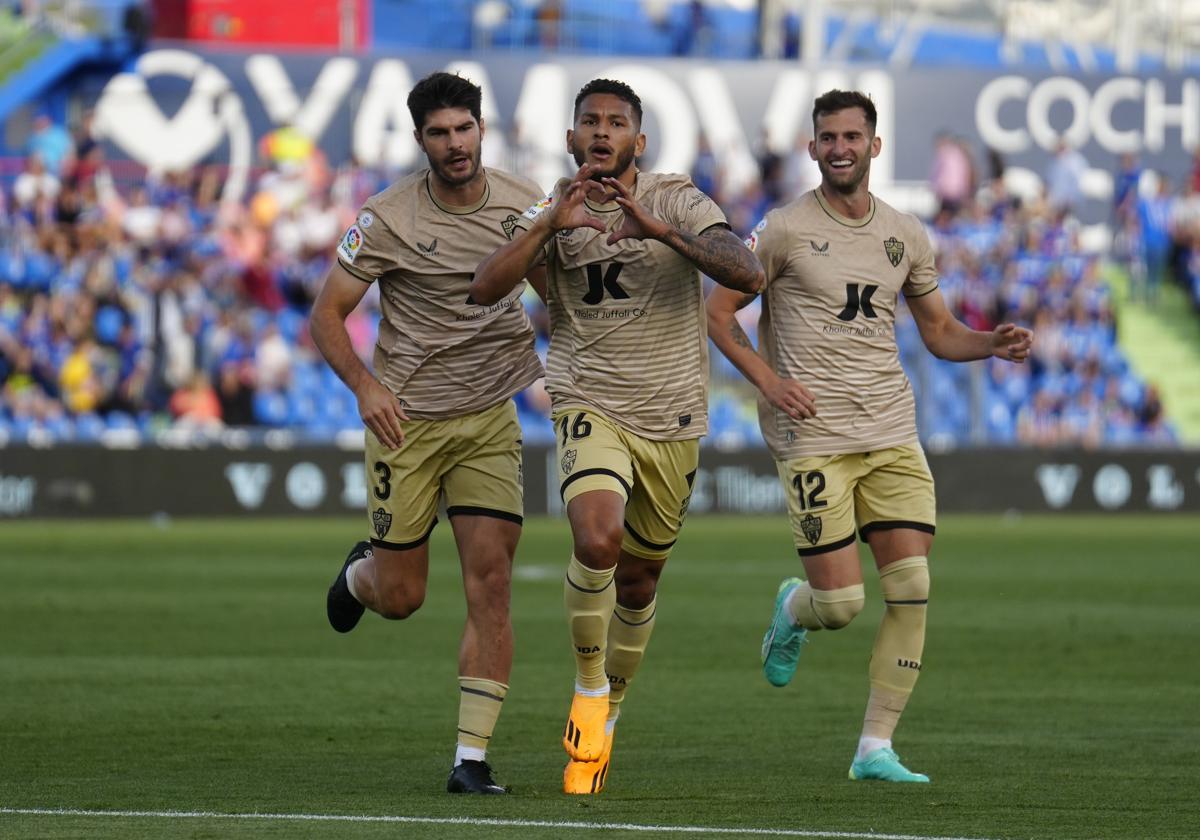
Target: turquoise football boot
[883, 765]
[781, 644]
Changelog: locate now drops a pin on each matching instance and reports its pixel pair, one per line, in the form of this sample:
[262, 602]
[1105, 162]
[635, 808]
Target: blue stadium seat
[290, 323]
[120, 421]
[306, 376]
[1001, 425]
[536, 428]
[270, 408]
[61, 429]
[89, 427]
[304, 408]
[20, 427]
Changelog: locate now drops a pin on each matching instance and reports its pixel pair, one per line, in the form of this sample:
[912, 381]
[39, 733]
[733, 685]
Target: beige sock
[628, 634]
[590, 596]
[896, 657]
[479, 703]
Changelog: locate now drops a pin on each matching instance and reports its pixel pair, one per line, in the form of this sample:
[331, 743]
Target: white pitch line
[355, 818]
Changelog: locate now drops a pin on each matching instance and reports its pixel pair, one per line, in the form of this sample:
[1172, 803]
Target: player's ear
[639, 145]
[420, 140]
[876, 145]
[812, 149]
[570, 142]
[481, 128]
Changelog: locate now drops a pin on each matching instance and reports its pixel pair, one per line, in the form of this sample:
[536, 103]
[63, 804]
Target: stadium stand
[130, 304]
[148, 305]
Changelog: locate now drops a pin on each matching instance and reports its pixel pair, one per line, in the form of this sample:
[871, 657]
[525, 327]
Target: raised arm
[500, 272]
[377, 406]
[723, 328]
[948, 338]
[721, 255]
[504, 268]
[716, 251]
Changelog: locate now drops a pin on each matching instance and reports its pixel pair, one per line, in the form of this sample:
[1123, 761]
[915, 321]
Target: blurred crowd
[133, 303]
[1158, 229]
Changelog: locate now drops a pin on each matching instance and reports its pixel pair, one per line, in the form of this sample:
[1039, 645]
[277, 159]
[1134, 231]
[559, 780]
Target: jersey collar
[838, 217]
[460, 211]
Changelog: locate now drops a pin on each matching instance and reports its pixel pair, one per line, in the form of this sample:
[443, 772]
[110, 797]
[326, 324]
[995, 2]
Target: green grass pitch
[187, 667]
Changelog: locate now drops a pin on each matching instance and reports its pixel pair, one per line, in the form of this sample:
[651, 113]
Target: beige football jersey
[441, 353]
[628, 335]
[828, 321]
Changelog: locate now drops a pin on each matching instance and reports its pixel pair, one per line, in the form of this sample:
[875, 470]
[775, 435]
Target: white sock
[610, 725]
[866, 746]
[350, 578]
[462, 754]
[787, 607]
[591, 692]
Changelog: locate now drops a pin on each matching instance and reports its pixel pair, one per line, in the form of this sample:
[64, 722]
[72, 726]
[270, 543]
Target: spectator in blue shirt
[51, 143]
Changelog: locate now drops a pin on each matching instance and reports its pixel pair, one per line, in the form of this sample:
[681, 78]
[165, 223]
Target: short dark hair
[618, 89]
[443, 90]
[836, 100]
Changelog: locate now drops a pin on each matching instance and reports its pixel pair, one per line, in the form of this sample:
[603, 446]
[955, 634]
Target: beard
[845, 181]
[456, 180]
[620, 162]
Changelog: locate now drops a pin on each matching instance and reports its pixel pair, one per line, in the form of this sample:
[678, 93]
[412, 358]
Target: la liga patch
[752, 240]
[350, 245]
[537, 209]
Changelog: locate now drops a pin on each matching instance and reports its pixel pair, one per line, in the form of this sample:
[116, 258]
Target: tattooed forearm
[721, 255]
[739, 336]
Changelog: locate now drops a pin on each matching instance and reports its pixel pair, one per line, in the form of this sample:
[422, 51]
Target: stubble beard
[622, 162]
[443, 174]
[859, 173]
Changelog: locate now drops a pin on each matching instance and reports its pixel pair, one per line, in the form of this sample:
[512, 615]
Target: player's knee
[637, 583]
[400, 599]
[598, 548]
[637, 594]
[837, 608]
[905, 581]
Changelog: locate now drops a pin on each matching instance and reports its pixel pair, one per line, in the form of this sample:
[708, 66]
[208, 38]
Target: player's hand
[1012, 343]
[639, 223]
[568, 212]
[790, 396]
[381, 412]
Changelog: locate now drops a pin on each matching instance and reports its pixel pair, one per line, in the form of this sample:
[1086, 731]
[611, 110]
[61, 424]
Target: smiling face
[606, 135]
[452, 141]
[843, 148]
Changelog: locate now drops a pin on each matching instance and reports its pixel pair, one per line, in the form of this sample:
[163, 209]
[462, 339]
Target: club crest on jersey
[430, 249]
[810, 526]
[823, 250]
[509, 225]
[365, 220]
[350, 245]
[568, 461]
[894, 249]
[382, 520]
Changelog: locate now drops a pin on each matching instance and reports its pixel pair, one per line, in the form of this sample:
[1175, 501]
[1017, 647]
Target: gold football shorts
[829, 496]
[473, 460]
[653, 476]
